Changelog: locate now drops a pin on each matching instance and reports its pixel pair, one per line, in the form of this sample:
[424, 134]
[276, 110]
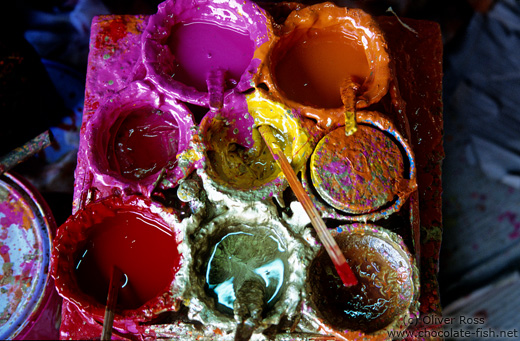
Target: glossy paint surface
[313, 65]
[144, 249]
[142, 143]
[202, 48]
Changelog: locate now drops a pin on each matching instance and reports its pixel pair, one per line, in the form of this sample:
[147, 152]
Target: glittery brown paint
[387, 282]
[357, 173]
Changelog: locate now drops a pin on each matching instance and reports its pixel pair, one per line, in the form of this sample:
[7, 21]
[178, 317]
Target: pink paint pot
[134, 139]
[386, 296]
[29, 305]
[141, 238]
[322, 50]
[196, 48]
[368, 175]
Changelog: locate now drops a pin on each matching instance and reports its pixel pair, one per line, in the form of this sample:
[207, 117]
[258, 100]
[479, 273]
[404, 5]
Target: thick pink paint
[200, 48]
[235, 111]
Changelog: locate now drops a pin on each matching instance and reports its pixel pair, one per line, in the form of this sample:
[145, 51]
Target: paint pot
[28, 302]
[233, 268]
[134, 140]
[321, 50]
[138, 236]
[367, 175]
[238, 162]
[246, 267]
[186, 43]
[385, 298]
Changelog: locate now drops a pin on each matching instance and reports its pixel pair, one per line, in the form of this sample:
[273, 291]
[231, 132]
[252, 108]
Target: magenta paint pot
[29, 306]
[192, 46]
[142, 238]
[134, 140]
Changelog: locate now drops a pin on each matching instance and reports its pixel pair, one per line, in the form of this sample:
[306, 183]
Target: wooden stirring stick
[342, 267]
[113, 291]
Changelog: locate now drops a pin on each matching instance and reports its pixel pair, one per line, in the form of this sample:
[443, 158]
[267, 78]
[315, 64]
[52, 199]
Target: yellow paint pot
[246, 168]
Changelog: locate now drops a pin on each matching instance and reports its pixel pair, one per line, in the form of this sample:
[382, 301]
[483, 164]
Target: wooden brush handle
[113, 291]
[328, 242]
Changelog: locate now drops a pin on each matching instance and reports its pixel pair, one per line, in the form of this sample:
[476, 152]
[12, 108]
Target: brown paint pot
[386, 297]
[320, 50]
[134, 140]
[141, 238]
[364, 176]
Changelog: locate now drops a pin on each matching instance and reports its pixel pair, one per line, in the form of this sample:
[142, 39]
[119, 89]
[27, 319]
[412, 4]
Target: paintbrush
[25, 151]
[113, 291]
[337, 257]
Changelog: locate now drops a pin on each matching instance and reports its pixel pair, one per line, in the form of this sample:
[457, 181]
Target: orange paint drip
[349, 89]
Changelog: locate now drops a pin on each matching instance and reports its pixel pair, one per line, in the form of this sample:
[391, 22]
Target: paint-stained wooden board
[416, 49]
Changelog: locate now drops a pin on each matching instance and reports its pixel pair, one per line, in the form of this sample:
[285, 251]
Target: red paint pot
[134, 139]
[386, 296]
[28, 302]
[319, 48]
[141, 238]
[188, 43]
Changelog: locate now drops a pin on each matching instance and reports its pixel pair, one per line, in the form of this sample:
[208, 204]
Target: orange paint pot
[321, 51]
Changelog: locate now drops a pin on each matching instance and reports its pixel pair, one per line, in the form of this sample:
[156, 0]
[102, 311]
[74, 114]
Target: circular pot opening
[197, 48]
[134, 139]
[386, 286]
[245, 270]
[141, 142]
[127, 235]
[311, 65]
